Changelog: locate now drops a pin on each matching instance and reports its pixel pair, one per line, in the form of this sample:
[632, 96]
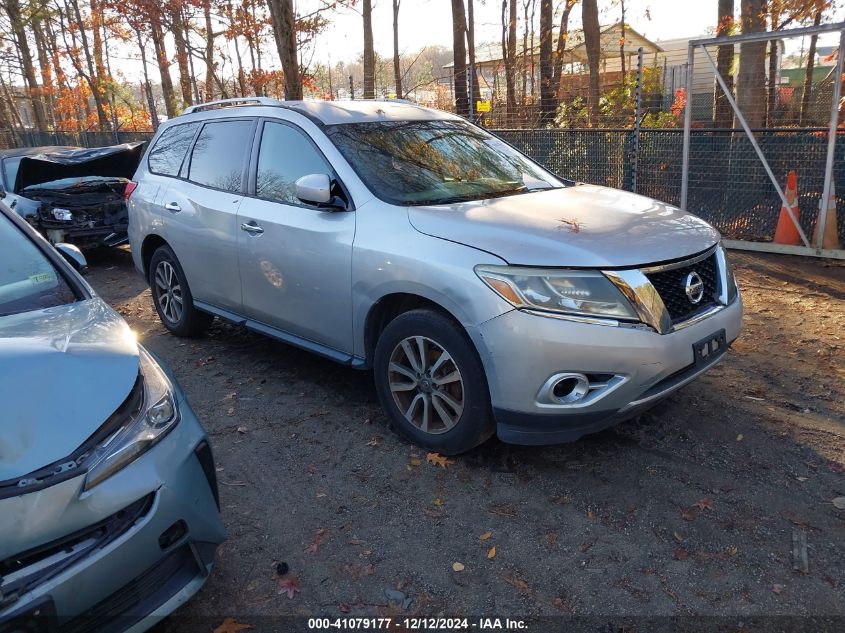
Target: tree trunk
[148, 89]
[178, 30]
[548, 103]
[157, 35]
[525, 53]
[723, 114]
[751, 79]
[509, 56]
[284, 31]
[91, 78]
[27, 67]
[622, 41]
[460, 58]
[592, 42]
[808, 75]
[397, 70]
[473, 69]
[209, 51]
[46, 70]
[562, 38]
[369, 53]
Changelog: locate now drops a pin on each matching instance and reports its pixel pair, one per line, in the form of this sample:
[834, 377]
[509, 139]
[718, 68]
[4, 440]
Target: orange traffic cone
[831, 230]
[786, 233]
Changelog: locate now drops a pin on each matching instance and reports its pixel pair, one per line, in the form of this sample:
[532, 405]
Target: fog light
[570, 388]
[173, 534]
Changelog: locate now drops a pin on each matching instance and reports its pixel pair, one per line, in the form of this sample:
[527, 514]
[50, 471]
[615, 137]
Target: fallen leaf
[231, 411]
[438, 502]
[839, 503]
[681, 554]
[289, 586]
[551, 538]
[777, 588]
[374, 441]
[355, 541]
[438, 460]
[315, 543]
[678, 537]
[230, 625]
[344, 607]
[591, 515]
[740, 437]
[485, 536]
[503, 510]
[457, 566]
[704, 504]
[242, 430]
[690, 514]
[415, 461]
[516, 582]
[491, 553]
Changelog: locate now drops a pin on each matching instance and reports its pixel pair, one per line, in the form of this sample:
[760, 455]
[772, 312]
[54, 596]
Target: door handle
[172, 206]
[252, 227]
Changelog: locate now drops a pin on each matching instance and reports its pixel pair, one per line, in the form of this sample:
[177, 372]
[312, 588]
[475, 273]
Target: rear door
[201, 207]
[295, 259]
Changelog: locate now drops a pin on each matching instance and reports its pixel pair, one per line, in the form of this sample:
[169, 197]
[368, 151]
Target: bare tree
[369, 53]
[284, 31]
[397, 70]
[459, 28]
[13, 10]
[751, 78]
[562, 39]
[509, 53]
[548, 103]
[722, 111]
[592, 42]
[473, 69]
[808, 75]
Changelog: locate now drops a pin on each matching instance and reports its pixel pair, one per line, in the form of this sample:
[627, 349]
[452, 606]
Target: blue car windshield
[436, 162]
[28, 279]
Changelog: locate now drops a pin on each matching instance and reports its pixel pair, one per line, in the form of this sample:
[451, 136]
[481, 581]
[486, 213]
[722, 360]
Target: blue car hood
[63, 371]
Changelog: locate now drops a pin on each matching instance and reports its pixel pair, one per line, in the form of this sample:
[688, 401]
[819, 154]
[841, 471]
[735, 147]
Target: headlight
[157, 414]
[579, 292]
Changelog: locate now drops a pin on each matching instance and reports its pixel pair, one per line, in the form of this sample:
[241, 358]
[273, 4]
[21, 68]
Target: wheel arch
[150, 245]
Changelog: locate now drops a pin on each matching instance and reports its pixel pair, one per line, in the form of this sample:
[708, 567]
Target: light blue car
[109, 512]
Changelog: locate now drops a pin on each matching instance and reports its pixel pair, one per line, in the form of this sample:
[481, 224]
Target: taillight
[130, 187]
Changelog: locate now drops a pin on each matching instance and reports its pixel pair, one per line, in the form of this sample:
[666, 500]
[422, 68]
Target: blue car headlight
[142, 429]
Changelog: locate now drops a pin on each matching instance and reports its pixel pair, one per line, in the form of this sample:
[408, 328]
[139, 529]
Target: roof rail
[231, 103]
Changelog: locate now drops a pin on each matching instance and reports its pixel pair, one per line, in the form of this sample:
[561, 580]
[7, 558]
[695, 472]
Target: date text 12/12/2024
[418, 624]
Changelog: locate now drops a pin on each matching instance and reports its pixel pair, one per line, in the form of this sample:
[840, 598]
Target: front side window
[220, 153]
[28, 280]
[10, 171]
[167, 154]
[436, 162]
[285, 156]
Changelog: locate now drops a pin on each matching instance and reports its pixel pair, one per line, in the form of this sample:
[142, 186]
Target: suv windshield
[436, 162]
[28, 280]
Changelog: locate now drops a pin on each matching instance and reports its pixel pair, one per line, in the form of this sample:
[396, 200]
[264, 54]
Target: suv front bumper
[522, 351]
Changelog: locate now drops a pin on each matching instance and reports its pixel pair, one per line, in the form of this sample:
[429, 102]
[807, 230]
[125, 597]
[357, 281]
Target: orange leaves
[704, 504]
[289, 585]
[319, 537]
[438, 460]
[491, 553]
[230, 625]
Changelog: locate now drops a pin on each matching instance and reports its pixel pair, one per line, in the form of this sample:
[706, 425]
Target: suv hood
[63, 372]
[580, 226]
[118, 161]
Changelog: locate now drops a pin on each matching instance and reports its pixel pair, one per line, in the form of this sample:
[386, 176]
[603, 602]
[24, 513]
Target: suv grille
[671, 286]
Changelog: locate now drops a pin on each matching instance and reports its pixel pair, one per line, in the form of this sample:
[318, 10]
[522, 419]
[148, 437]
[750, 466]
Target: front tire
[172, 296]
[431, 383]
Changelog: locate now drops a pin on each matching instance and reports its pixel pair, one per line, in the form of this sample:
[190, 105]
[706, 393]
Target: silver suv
[486, 294]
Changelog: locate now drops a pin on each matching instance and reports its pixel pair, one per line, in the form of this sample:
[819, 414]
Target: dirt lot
[695, 508]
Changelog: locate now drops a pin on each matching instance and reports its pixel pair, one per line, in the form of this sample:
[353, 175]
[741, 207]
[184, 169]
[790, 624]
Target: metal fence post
[687, 128]
[831, 139]
[635, 159]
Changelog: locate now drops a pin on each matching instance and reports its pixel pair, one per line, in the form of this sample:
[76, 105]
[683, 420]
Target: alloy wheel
[168, 291]
[426, 384]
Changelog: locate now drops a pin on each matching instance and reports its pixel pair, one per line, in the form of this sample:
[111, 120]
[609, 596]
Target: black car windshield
[436, 162]
[28, 280]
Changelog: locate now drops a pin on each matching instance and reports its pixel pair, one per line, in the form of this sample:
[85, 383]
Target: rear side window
[285, 155]
[167, 154]
[219, 155]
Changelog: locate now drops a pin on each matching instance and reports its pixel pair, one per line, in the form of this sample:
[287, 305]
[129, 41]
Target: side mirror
[73, 256]
[314, 189]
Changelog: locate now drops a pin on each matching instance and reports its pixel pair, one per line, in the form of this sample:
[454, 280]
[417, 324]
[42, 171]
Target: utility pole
[351, 88]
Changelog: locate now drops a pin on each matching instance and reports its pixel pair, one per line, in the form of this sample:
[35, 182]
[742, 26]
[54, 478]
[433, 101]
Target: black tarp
[114, 161]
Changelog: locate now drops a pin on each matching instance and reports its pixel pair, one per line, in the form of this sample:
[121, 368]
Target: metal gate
[744, 132]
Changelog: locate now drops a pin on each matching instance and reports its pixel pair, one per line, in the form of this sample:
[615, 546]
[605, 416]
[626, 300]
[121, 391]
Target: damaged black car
[80, 193]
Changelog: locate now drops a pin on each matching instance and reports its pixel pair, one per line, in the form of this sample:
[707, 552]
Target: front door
[295, 259]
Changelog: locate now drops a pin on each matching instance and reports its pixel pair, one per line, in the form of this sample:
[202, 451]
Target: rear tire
[431, 383]
[172, 296]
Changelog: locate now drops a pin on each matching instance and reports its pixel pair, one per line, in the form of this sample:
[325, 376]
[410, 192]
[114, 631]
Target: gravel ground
[697, 508]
